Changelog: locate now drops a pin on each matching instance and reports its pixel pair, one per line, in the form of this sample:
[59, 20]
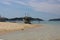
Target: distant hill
[2, 19]
[57, 19]
[21, 19]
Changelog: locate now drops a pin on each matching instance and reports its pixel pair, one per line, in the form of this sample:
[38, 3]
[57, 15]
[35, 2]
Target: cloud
[50, 6]
[6, 2]
[59, 0]
[20, 2]
[9, 2]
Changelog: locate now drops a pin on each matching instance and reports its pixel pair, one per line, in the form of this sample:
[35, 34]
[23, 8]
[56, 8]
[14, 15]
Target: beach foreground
[6, 27]
[30, 31]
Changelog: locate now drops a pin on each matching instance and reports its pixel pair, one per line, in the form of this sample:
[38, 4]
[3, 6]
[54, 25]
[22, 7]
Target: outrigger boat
[26, 19]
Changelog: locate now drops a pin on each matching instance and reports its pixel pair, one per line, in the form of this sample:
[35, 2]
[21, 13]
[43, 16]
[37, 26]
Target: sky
[44, 9]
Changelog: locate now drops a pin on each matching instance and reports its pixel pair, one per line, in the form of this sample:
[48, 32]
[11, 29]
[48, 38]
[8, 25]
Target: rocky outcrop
[3, 19]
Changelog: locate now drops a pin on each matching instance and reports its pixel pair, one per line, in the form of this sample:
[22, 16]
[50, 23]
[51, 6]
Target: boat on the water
[27, 20]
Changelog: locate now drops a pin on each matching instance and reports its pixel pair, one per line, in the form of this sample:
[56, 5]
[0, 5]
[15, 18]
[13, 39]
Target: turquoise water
[41, 22]
[57, 23]
[51, 22]
[47, 22]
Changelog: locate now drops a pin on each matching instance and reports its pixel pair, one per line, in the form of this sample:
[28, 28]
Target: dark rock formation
[3, 19]
[58, 19]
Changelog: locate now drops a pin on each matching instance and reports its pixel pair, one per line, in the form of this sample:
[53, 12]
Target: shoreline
[30, 32]
[7, 27]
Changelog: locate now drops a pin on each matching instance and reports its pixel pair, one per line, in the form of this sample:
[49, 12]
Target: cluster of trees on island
[19, 19]
[57, 19]
[2, 19]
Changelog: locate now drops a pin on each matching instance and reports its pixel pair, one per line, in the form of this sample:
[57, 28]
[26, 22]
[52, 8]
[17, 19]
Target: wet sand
[44, 32]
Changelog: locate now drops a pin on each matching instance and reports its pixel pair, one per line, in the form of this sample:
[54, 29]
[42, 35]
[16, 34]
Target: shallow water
[48, 31]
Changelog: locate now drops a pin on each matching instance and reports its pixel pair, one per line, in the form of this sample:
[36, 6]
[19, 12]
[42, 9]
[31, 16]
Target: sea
[49, 22]
[46, 22]
[38, 22]
[50, 30]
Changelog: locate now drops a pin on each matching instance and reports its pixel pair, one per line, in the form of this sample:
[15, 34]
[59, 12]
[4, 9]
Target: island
[56, 19]
[4, 19]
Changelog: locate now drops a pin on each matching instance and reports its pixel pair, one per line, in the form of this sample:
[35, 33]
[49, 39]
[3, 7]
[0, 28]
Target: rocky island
[57, 19]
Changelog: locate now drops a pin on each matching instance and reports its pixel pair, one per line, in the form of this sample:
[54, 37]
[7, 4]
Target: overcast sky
[44, 9]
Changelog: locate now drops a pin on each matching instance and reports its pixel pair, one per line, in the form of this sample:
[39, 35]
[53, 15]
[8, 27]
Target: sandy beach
[6, 27]
[17, 31]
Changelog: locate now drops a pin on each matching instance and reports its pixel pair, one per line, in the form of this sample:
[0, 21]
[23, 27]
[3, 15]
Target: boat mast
[27, 12]
[27, 19]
